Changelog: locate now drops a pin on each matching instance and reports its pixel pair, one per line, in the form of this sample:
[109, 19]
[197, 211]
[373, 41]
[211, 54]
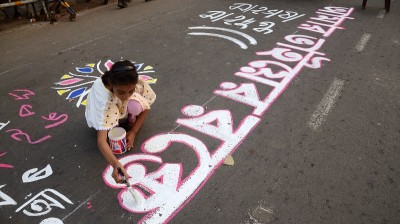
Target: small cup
[117, 138]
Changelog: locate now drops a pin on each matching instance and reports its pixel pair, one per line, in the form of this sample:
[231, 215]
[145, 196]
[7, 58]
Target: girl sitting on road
[119, 97]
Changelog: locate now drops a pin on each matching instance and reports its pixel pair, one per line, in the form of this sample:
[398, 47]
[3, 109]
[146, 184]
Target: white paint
[246, 93]
[265, 27]
[5, 199]
[251, 40]
[40, 206]
[80, 205]
[223, 128]
[323, 109]
[30, 194]
[381, 14]
[234, 40]
[52, 221]
[363, 42]
[3, 125]
[35, 175]
[193, 111]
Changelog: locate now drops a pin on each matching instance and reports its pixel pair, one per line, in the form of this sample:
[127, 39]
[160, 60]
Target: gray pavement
[316, 142]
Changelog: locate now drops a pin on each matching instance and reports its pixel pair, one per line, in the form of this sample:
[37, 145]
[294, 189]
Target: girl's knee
[134, 109]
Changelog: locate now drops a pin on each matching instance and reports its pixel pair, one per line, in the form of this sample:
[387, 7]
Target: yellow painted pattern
[151, 81]
[91, 65]
[60, 92]
[148, 68]
[84, 102]
[66, 76]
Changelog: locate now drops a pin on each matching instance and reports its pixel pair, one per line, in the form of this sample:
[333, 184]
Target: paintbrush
[136, 198]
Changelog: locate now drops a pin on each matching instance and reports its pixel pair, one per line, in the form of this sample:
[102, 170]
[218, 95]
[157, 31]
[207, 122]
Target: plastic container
[117, 139]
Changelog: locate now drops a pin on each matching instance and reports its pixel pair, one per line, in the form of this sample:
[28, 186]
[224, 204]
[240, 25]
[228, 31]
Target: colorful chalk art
[77, 84]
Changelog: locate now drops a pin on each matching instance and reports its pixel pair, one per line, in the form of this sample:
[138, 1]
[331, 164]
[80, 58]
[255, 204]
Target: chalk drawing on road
[42, 203]
[165, 192]
[243, 16]
[60, 119]
[242, 45]
[2, 165]
[35, 175]
[51, 221]
[76, 85]
[25, 110]
[3, 125]
[5, 199]
[24, 96]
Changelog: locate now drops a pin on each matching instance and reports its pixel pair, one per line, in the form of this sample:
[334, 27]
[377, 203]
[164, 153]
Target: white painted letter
[45, 172]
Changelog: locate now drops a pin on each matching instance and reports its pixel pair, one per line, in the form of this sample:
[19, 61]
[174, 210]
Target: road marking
[381, 14]
[86, 42]
[80, 205]
[2, 73]
[363, 42]
[326, 104]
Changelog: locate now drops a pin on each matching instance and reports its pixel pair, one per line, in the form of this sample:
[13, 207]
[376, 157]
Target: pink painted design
[24, 96]
[88, 205]
[6, 166]
[324, 28]
[69, 81]
[145, 77]
[53, 117]
[25, 111]
[18, 132]
[108, 64]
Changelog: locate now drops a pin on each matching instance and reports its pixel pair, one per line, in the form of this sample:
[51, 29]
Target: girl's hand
[115, 174]
[130, 139]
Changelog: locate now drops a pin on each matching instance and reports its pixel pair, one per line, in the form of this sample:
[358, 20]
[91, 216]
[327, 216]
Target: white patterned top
[104, 109]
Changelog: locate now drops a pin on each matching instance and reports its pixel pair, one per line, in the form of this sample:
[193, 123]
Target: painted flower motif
[76, 85]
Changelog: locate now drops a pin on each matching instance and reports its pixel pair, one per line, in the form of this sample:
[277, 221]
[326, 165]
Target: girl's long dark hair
[121, 73]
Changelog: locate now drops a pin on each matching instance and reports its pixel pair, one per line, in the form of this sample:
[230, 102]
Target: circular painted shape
[228, 85]
[52, 221]
[193, 110]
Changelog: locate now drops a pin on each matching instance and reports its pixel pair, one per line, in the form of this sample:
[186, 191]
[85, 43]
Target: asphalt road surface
[304, 95]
